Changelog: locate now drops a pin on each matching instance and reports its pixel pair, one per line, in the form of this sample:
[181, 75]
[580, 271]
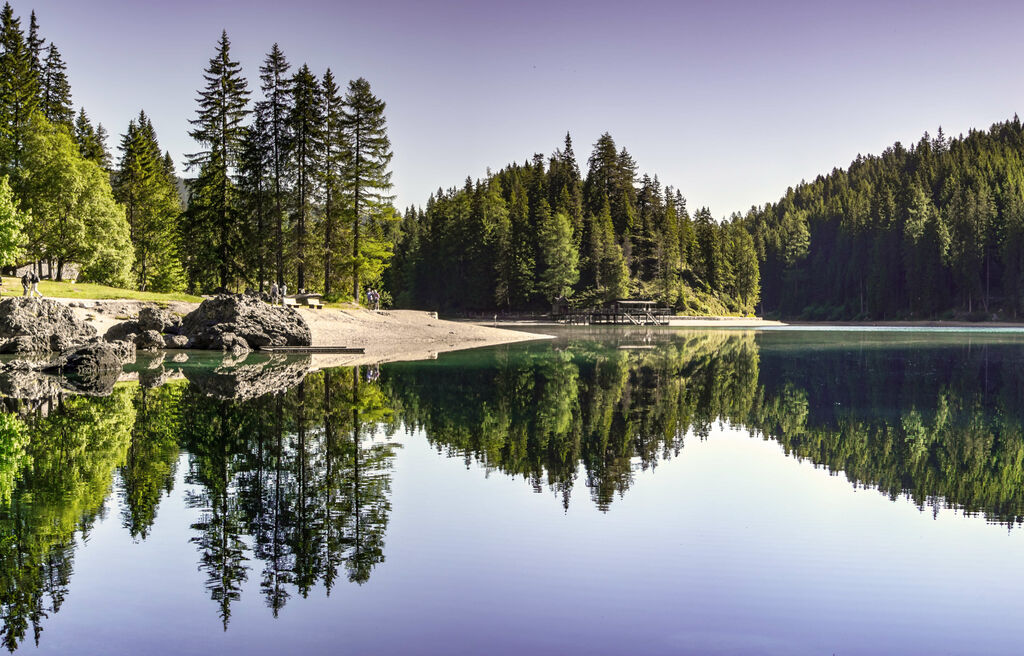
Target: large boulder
[149, 340]
[123, 331]
[175, 341]
[163, 321]
[228, 321]
[30, 325]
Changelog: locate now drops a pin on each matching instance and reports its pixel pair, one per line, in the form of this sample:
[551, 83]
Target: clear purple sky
[730, 101]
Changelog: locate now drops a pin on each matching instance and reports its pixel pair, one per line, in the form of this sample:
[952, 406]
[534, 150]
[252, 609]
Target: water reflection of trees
[291, 487]
[297, 475]
[939, 423]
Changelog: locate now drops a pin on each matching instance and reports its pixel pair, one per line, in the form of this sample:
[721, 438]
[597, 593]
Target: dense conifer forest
[540, 230]
[933, 230]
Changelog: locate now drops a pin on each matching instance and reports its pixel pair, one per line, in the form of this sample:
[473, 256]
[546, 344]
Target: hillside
[935, 229]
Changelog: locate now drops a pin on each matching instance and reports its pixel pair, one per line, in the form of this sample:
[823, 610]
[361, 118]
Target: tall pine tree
[367, 175]
[218, 128]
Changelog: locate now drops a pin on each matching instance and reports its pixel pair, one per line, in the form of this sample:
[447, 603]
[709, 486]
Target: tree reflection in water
[290, 481]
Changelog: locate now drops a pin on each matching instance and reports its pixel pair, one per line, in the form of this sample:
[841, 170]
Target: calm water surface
[610, 492]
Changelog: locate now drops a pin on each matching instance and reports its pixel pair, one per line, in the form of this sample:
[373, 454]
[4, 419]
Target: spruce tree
[152, 207]
[559, 256]
[218, 128]
[19, 91]
[305, 129]
[35, 44]
[56, 91]
[255, 185]
[367, 176]
[332, 167]
[274, 109]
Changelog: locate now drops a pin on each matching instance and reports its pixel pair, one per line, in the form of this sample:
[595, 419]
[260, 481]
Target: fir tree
[274, 109]
[367, 176]
[56, 91]
[19, 91]
[332, 167]
[254, 176]
[152, 207]
[305, 129]
[218, 128]
[559, 256]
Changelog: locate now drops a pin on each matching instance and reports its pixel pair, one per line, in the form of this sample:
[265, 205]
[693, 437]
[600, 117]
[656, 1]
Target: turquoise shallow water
[611, 491]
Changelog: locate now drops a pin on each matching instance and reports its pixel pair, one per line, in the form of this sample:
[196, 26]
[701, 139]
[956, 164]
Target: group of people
[373, 299]
[30, 284]
[277, 294]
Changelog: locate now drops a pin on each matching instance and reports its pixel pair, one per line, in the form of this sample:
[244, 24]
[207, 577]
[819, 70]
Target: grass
[88, 290]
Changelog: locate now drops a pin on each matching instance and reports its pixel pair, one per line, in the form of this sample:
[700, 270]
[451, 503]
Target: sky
[731, 102]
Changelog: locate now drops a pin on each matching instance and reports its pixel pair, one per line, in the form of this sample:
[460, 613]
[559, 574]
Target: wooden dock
[622, 312]
[355, 350]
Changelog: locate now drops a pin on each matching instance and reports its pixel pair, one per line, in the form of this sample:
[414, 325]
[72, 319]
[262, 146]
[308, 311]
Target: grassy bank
[87, 291]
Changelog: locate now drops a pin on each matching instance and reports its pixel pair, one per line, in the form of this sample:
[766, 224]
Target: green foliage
[73, 214]
[559, 258]
[11, 222]
[146, 188]
[13, 453]
[917, 232]
[535, 231]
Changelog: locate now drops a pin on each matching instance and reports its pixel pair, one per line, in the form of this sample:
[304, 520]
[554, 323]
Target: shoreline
[386, 336]
[404, 335]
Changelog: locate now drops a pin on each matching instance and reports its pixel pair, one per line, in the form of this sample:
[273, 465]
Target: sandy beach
[387, 335]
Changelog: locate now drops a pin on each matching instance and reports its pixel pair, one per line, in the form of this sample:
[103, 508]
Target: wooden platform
[356, 350]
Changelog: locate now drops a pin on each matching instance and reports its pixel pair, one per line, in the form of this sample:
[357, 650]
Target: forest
[931, 230]
[533, 232]
[291, 187]
[294, 186]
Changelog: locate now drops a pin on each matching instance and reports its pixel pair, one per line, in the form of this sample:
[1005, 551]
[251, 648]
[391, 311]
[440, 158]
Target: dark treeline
[930, 230]
[291, 489]
[292, 186]
[532, 232]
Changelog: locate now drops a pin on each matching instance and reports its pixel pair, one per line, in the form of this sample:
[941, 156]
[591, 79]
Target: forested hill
[539, 230]
[933, 230]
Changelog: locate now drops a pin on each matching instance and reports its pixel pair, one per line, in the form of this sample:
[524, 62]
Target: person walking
[284, 292]
[24, 284]
[34, 279]
[273, 293]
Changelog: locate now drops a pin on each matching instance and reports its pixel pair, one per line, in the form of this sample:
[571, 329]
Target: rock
[259, 375]
[149, 339]
[40, 324]
[125, 350]
[151, 378]
[22, 365]
[248, 320]
[180, 357]
[91, 358]
[29, 385]
[124, 331]
[158, 319]
[231, 343]
[175, 341]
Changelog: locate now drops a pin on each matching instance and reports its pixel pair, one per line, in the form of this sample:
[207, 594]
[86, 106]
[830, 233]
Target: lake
[613, 491]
